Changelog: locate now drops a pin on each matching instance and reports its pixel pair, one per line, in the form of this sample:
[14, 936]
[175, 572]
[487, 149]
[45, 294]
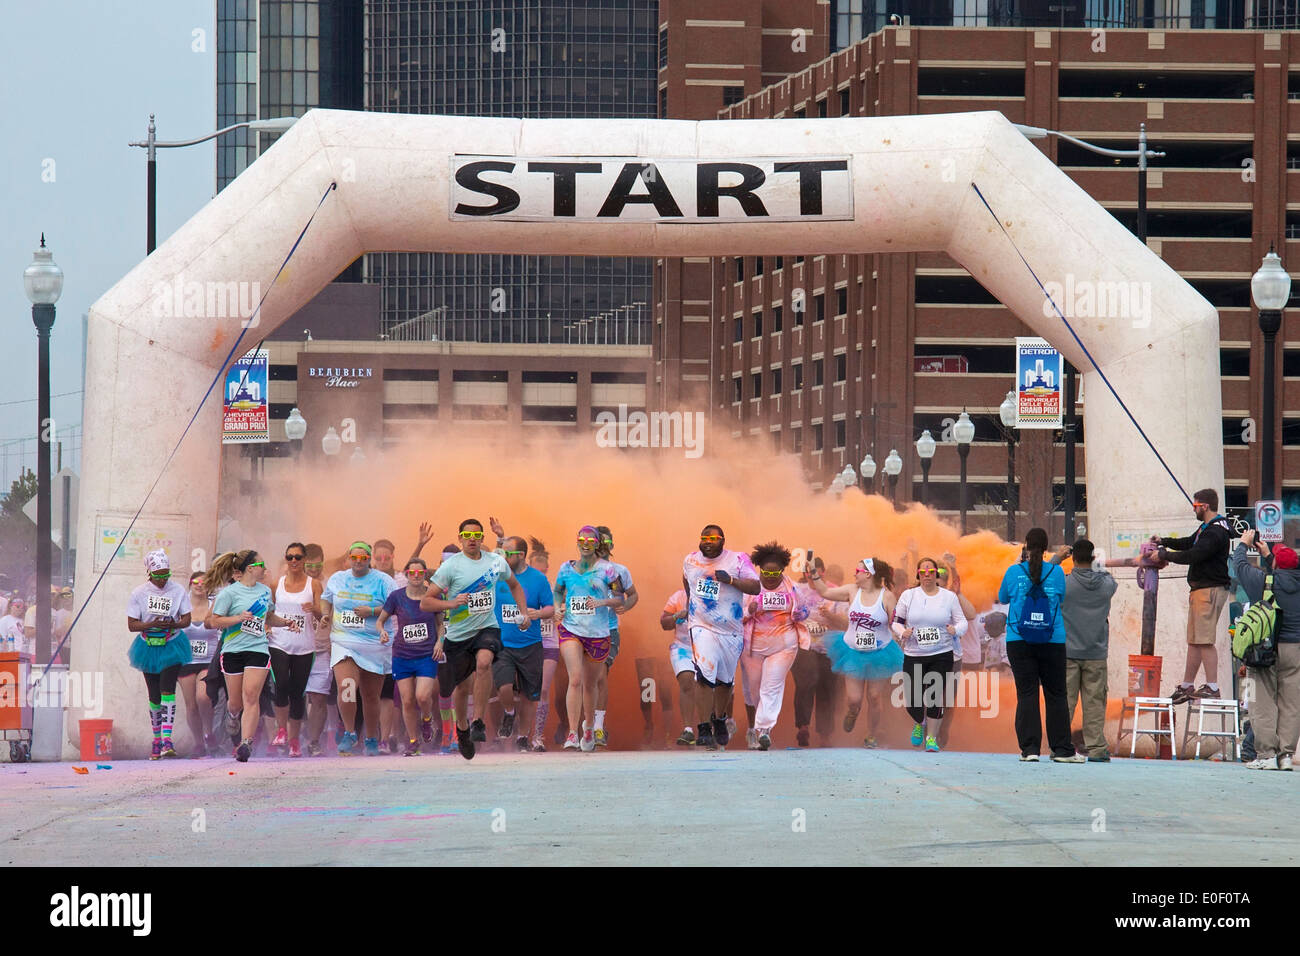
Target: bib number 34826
[928, 636]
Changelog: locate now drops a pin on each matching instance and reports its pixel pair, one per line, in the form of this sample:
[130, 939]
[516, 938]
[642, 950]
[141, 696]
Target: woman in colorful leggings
[158, 612]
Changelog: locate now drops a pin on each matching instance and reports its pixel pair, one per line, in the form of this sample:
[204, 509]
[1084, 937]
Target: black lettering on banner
[468, 177]
[620, 194]
[707, 189]
[566, 187]
[810, 181]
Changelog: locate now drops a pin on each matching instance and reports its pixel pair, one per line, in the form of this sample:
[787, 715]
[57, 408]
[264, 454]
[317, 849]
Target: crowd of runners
[428, 659]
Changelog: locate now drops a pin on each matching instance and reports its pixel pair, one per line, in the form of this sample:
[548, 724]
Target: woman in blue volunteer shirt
[351, 602]
[415, 666]
[243, 611]
[1036, 648]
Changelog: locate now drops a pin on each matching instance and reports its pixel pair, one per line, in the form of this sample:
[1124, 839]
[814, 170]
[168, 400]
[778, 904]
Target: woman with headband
[242, 611]
[866, 654]
[926, 620]
[158, 612]
[351, 602]
[773, 633]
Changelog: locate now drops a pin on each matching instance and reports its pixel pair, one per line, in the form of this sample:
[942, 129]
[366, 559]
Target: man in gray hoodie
[1086, 610]
[1275, 700]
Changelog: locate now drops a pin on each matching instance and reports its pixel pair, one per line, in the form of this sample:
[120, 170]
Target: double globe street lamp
[1270, 287]
[868, 470]
[963, 433]
[893, 468]
[925, 446]
[1009, 412]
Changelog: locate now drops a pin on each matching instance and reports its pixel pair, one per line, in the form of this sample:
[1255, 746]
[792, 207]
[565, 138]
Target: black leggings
[163, 683]
[925, 695]
[291, 672]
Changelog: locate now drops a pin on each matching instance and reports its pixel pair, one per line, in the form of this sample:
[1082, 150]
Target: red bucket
[96, 739]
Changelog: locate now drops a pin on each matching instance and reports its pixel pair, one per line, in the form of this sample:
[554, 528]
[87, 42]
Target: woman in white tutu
[866, 654]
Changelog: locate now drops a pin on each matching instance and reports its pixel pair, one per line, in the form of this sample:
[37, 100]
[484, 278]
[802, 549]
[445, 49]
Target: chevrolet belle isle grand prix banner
[1039, 373]
[632, 189]
[244, 414]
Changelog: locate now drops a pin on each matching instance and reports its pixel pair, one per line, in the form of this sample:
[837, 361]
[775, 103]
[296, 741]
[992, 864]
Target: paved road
[837, 806]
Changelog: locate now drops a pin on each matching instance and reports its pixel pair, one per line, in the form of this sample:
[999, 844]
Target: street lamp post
[849, 477]
[1270, 287]
[295, 429]
[151, 145]
[43, 283]
[1009, 412]
[868, 470]
[925, 451]
[893, 468]
[963, 432]
[330, 442]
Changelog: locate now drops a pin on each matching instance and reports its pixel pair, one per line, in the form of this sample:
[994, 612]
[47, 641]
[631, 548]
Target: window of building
[558, 378]
[799, 306]
[797, 369]
[758, 266]
[840, 433]
[842, 301]
[738, 334]
[404, 374]
[549, 413]
[663, 47]
[819, 303]
[844, 101]
[778, 313]
[779, 264]
[740, 269]
[756, 384]
[819, 372]
[613, 378]
[841, 367]
[736, 394]
[961, 81]
[798, 260]
[776, 381]
[758, 324]
[801, 114]
[731, 95]
[796, 440]
[817, 437]
[1234, 362]
[663, 102]
[821, 108]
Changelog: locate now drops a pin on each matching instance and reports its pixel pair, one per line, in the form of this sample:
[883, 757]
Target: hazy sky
[78, 80]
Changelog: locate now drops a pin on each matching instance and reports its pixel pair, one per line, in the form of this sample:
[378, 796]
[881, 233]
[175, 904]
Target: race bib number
[160, 604]
[860, 640]
[509, 612]
[707, 588]
[415, 633]
[774, 601]
[199, 648]
[482, 602]
[351, 620]
[582, 606]
[254, 628]
[299, 619]
[928, 636]
[548, 628]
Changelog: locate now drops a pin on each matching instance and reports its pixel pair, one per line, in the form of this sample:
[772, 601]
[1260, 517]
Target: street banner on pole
[244, 416]
[1039, 381]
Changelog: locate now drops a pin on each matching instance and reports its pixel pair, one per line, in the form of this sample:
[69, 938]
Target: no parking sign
[1268, 520]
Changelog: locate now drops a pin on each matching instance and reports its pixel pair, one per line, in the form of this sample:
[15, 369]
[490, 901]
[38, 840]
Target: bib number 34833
[481, 602]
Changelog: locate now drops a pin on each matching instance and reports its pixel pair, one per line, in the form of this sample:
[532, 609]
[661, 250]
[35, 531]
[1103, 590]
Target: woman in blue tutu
[158, 613]
[866, 653]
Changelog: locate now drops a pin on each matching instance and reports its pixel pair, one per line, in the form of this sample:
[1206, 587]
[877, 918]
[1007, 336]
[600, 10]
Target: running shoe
[465, 743]
[764, 741]
[412, 748]
[168, 750]
[722, 732]
[295, 748]
[751, 738]
[588, 741]
[1206, 692]
[232, 724]
[802, 738]
[931, 745]
[157, 749]
[870, 743]
[314, 750]
[1103, 758]
[1262, 763]
[850, 719]
[347, 744]
[1182, 694]
[381, 746]
[704, 737]
[1073, 758]
[426, 729]
[281, 740]
[477, 731]
[687, 739]
[372, 747]
[1284, 762]
[1029, 758]
[918, 735]
[507, 727]
[449, 745]
[521, 744]
[393, 743]
[538, 746]
[731, 728]
[602, 738]
[244, 751]
[571, 742]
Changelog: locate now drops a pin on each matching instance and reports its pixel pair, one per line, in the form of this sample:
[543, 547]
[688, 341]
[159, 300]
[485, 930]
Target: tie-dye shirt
[711, 604]
[676, 606]
[768, 624]
[581, 589]
[459, 574]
